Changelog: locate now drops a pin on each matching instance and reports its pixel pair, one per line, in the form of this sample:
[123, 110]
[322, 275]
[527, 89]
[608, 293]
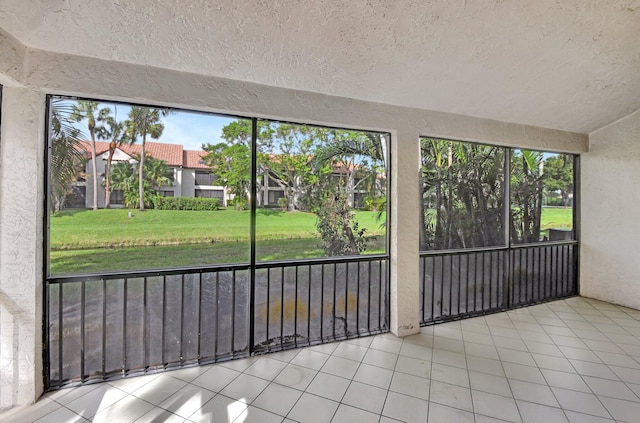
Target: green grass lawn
[73, 229]
[108, 240]
[556, 217]
[105, 240]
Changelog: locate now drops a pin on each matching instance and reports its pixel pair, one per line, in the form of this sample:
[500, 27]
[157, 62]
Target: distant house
[191, 176]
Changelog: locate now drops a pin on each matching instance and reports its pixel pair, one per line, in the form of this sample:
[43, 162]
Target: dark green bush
[340, 232]
[186, 203]
[239, 203]
[283, 203]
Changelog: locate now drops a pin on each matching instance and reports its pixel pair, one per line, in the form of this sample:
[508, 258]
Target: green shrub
[283, 203]
[239, 203]
[374, 203]
[186, 203]
[340, 231]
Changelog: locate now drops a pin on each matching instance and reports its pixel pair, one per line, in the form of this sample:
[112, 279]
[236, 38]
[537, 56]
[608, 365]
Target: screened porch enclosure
[266, 282]
[244, 276]
[499, 228]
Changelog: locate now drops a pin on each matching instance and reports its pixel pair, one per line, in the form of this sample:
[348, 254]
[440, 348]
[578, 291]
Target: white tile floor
[576, 360]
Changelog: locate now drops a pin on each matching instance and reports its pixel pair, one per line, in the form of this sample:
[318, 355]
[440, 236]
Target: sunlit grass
[84, 241]
[73, 229]
[556, 217]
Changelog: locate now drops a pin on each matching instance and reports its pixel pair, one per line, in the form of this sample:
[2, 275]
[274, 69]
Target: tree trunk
[353, 246]
[141, 174]
[95, 168]
[538, 208]
[423, 223]
[449, 228]
[438, 232]
[565, 198]
[107, 175]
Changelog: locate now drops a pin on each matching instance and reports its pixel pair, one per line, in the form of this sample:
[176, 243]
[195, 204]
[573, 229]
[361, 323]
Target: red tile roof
[173, 154]
[193, 159]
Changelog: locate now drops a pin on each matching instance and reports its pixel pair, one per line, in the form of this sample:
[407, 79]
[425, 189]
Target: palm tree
[360, 156]
[158, 173]
[123, 178]
[66, 151]
[143, 122]
[466, 184]
[527, 188]
[90, 111]
[114, 131]
[357, 154]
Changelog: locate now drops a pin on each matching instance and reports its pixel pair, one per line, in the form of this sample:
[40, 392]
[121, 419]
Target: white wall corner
[21, 249]
[609, 214]
[12, 56]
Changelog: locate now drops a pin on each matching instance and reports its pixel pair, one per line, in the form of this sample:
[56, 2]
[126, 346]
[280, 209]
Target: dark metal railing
[111, 327]
[103, 327]
[462, 283]
[305, 303]
[542, 272]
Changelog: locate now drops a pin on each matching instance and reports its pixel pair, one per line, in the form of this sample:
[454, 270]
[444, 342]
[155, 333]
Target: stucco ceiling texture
[566, 64]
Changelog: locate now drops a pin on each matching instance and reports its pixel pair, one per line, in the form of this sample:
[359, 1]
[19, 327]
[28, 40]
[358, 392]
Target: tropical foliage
[91, 112]
[115, 132]
[341, 234]
[463, 193]
[125, 177]
[312, 168]
[316, 169]
[67, 152]
[527, 190]
[144, 122]
[232, 164]
[558, 171]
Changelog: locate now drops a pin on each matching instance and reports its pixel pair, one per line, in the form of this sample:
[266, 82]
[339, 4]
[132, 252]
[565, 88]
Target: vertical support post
[508, 265]
[22, 217]
[405, 244]
[576, 220]
[46, 366]
[252, 235]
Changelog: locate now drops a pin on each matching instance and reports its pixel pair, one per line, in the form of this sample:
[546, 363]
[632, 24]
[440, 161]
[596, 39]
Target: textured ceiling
[564, 64]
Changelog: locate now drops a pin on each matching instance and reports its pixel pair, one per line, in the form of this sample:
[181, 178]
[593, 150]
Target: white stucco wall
[610, 214]
[405, 215]
[21, 253]
[12, 54]
[21, 164]
[188, 183]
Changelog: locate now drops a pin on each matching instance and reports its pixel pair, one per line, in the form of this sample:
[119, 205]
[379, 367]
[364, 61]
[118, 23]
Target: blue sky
[187, 128]
[193, 129]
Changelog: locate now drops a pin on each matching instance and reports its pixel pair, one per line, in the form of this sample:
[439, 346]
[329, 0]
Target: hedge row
[186, 203]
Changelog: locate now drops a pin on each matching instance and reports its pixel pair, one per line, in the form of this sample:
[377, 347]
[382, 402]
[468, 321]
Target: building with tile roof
[191, 176]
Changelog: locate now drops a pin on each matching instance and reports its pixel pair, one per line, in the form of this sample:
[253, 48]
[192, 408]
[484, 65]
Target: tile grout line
[583, 381]
[564, 412]
[546, 310]
[505, 373]
[581, 376]
[466, 362]
[384, 403]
